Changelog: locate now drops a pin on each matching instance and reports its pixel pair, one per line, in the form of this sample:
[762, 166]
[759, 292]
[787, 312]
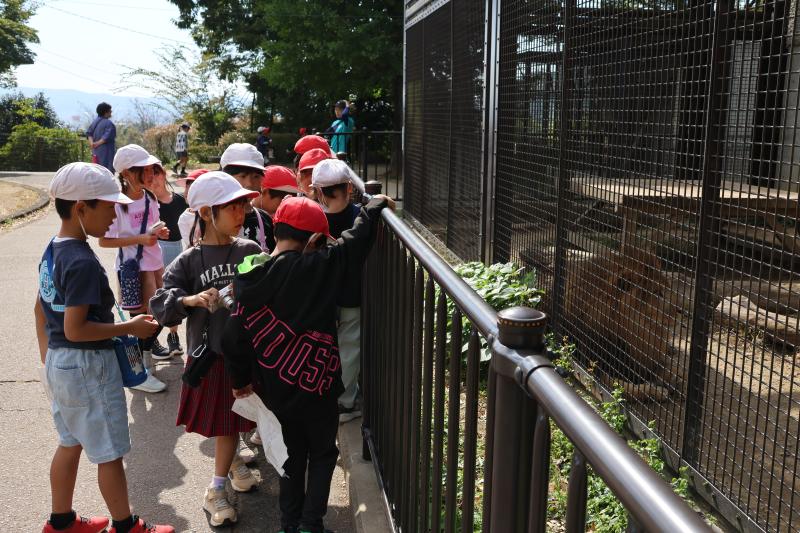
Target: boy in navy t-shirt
[74, 327]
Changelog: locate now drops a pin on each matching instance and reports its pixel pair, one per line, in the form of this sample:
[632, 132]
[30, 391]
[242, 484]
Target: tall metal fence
[641, 157]
[458, 450]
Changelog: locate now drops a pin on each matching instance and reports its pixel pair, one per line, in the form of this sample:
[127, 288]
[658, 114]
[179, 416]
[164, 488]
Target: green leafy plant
[501, 285]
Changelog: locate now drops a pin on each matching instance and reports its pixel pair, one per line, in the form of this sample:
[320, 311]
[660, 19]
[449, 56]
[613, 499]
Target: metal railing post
[519, 328]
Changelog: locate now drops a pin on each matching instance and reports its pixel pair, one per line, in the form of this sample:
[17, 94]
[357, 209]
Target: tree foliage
[15, 38]
[16, 109]
[300, 57]
[189, 89]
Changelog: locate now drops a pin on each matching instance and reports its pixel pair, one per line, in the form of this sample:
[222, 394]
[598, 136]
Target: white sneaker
[255, 438]
[242, 479]
[151, 384]
[219, 509]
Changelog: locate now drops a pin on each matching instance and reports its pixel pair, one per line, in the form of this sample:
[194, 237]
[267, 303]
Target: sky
[86, 45]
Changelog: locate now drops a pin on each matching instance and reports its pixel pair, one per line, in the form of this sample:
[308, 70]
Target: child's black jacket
[282, 332]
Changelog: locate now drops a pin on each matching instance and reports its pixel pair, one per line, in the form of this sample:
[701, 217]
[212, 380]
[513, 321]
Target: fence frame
[704, 156]
[522, 383]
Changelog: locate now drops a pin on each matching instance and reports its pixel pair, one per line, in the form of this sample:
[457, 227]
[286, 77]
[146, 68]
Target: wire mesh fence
[642, 156]
[21, 151]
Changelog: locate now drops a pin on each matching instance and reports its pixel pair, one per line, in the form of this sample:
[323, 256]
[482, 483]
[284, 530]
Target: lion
[617, 315]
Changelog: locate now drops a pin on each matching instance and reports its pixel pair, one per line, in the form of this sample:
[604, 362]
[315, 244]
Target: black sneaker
[159, 352]
[346, 414]
[174, 344]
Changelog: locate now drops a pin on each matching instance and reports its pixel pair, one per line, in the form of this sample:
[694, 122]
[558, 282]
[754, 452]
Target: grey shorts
[88, 402]
[185, 153]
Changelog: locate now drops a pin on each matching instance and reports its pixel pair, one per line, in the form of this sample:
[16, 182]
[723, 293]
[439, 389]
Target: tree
[16, 109]
[300, 57]
[188, 88]
[15, 36]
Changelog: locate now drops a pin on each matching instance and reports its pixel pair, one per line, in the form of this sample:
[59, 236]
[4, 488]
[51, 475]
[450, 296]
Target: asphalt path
[167, 468]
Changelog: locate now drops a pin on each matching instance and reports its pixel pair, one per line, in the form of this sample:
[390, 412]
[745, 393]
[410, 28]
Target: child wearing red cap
[305, 168]
[278, 183]
[309, 142]
[282, 335]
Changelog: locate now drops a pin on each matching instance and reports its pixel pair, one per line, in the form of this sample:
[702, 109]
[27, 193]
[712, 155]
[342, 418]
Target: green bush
[206, 155]
[236, 136]
[160, 141]
[36, 148]
[283, 145]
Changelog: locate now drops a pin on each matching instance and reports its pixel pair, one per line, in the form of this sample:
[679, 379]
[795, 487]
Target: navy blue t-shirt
[78, 279]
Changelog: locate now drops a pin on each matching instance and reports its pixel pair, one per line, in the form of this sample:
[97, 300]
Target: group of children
[288, 246]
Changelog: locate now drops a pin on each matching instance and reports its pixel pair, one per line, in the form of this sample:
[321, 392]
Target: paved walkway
[167, 468]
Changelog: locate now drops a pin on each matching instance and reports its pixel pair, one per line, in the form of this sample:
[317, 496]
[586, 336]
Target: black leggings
[310, 438]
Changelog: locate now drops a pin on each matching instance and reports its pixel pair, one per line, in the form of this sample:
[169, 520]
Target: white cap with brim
[242, 155]
[133, 155]
[333, 172]
[86, 181]
[216, 188]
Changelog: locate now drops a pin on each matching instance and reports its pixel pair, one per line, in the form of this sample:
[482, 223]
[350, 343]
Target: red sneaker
[142, 527]
[95, 524]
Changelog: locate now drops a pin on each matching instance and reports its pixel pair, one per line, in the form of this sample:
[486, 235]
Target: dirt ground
[14, 197]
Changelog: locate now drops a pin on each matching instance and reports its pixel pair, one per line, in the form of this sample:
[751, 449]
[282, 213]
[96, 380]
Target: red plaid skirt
[207, 409]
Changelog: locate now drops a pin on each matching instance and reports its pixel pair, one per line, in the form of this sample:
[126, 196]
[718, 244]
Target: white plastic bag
[252, 408]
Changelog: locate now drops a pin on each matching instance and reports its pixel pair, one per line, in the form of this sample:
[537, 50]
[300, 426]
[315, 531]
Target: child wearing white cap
[245, 163]
[130, 232]
[75, 326]
[333, 182]
[192, 283]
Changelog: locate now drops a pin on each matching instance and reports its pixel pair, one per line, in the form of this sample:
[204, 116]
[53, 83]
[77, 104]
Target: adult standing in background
[102, 135]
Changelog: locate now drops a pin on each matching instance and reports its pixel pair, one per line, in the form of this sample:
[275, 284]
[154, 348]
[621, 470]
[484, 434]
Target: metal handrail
[650, 501]
[480, 313]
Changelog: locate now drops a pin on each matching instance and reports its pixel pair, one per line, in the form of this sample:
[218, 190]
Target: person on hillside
[131, 234]
[284, 310]
[182, 148]
[74, 326]
[191, 292]
[342, 127]
[264, 142]
[102, 135]
[170, 207]
[246, 164]
[333, 182]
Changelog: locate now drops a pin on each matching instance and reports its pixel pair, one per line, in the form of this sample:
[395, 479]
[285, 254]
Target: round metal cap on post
[521, 328]
[373, 187]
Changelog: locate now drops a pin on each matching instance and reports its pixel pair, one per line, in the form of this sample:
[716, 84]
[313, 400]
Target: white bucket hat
[133, 155]
[242, 155]
[333, 172]
[86, 181]
[216, 188]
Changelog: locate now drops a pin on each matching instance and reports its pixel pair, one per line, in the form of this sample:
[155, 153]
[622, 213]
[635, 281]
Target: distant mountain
[77, 108]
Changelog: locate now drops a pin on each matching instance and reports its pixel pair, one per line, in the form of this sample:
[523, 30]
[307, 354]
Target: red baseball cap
[303, 214]
[193, 175]
[312, 157]
[309, 142]
[279, 178]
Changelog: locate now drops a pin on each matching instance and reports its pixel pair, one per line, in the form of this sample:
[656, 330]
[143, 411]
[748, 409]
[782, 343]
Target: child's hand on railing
[390, 202]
